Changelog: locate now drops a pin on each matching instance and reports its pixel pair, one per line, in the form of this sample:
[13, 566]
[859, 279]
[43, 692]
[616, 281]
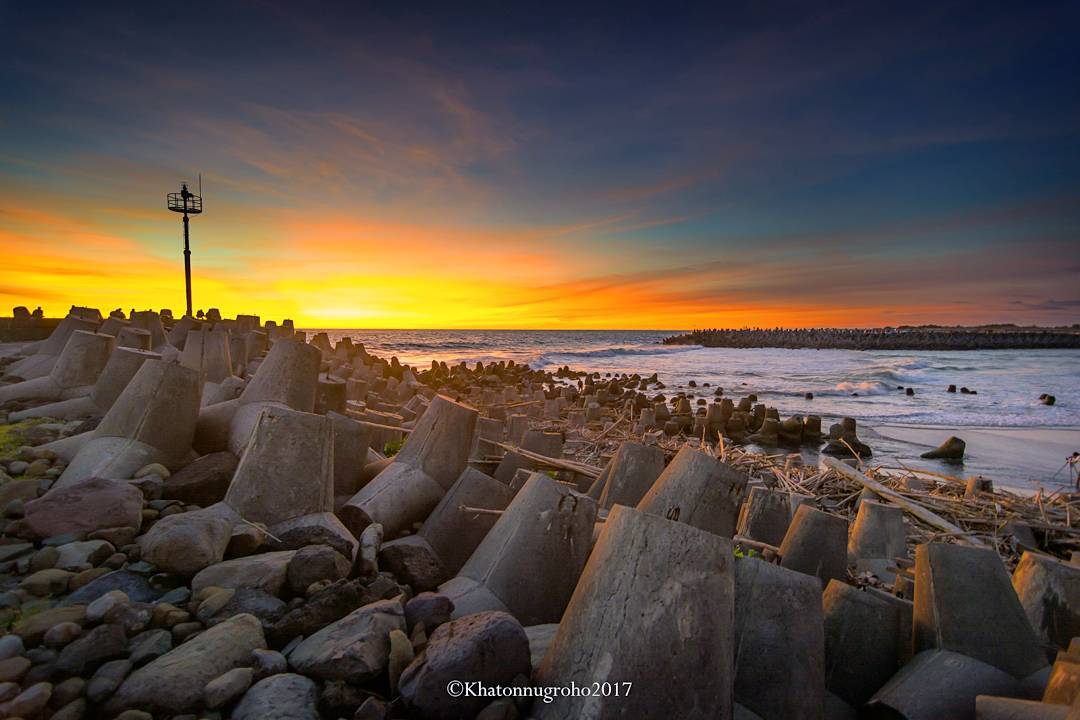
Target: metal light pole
[188, 203]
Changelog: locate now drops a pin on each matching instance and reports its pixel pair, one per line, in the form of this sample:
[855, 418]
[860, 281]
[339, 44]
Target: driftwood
[910, 506]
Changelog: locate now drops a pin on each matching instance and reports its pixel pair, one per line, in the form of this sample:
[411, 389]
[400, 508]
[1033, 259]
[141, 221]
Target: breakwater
[924, 338]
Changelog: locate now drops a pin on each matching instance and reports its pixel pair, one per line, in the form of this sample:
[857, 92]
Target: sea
[864, 385]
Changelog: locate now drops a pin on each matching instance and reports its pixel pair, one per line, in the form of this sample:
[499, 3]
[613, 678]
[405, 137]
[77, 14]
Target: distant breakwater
[885, 339]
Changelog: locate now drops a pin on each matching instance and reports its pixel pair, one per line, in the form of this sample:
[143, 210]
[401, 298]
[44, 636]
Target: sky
[516, 165]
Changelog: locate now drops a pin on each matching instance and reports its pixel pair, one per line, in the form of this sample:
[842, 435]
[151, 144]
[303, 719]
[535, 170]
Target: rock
[267, 572]
[14, 669]
[79, 556]
[32, 628]
[267, 662]
[87, 506]
[280, 697]
[428, 608]
[29, 702]
[74, 710]
[401, 654]
[372, 709]
[44, 559]
[175, 682]
[150, 645]
[47, 582]
[152, 469]
[10, 646]
[951, 449]
[202, 482]
[67, 691]
[61, 634]
[314, 563]
[131, 584]
[314, 529]
[416, 565]
[324, 607]
[105, 681]
[105, 642]
[367, 559]
[224, 690]
[253, 601]
[99, 608]
[86, 577]
[354, 648]
[488, 647]
[187, 543]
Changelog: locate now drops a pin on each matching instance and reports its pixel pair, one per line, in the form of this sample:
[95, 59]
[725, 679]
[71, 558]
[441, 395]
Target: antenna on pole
[188, 203]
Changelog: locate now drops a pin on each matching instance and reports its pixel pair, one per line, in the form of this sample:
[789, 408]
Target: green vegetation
[739, 552]
[12, 436]
[392, 447]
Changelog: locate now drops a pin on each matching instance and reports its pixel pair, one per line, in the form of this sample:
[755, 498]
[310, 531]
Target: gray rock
[429, 608]
[135, 586]
[488, 647]
[176, 681]
[224, 690]
[414, 564]
[105, 642]
[10, 646]
[186, 543]
[202, 482]
[354, 648]
[90, 505]
[314, 563]
[280, 697]
[105, 681]
[268, 662]
[266, 572]
[150, 645]
[253, 601]
[324, 607]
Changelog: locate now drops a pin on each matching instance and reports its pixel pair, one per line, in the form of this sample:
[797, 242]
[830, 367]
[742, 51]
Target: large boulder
[489, 647]
[174, 683]
[186, 543]
[202, 482]
[90, 505]
[354, 648]
[267, 571]
[285, 696]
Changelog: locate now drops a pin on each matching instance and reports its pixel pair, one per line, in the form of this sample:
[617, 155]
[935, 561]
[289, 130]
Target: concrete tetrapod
[766, 515]
[1049, 591]
[288, 377]
[779, 642]
[529, 562]
[877, 538]
[862, 632]
[122, 365]
[699, 490]
[207, 351]
[423, 470]
[180, 329]
[73, 375]
[151, 322]
[537, 441]
[153, 420]
[351, 443]
[42, 356]
[964, 602]
[816, 544]
[654, 594]
[632, 471]
[453, 534]
[287, 469]
[940, 685]
[988, 707]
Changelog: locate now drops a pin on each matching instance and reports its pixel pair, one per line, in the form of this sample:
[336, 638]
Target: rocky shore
[224, 518]
[905, 338]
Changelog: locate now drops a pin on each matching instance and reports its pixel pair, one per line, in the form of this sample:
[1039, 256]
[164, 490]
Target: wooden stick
[478, 511]
[580, 468]
[911, 506]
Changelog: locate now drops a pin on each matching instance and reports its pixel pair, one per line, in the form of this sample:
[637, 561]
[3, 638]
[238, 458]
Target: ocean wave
[866, 387]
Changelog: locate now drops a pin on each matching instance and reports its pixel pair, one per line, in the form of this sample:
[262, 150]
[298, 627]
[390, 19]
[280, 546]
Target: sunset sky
[546, 166]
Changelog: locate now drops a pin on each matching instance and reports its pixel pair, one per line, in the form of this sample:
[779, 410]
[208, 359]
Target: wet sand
[1042, 450]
